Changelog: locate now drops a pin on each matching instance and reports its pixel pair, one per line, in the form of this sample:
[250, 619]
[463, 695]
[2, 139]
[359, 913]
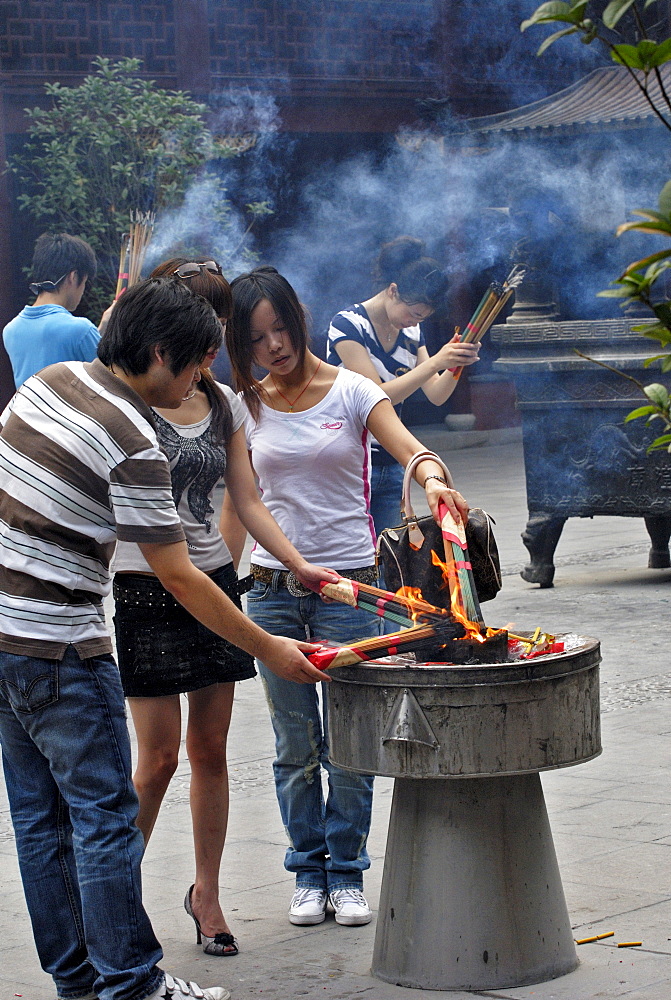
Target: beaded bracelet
[439, 478]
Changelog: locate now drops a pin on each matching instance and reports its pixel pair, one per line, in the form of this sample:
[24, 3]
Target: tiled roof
[605, 99]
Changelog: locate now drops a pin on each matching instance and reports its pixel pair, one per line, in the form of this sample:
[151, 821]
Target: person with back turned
[80, 466]
[47, 332]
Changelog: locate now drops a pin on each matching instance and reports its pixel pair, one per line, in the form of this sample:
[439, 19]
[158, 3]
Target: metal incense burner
[471, 892]
[581, 458]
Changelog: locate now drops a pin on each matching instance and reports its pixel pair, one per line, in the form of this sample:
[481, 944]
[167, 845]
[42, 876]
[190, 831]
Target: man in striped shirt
[80, 466]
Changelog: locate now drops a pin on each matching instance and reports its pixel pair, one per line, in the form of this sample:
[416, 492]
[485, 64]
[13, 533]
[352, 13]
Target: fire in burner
[433, 633]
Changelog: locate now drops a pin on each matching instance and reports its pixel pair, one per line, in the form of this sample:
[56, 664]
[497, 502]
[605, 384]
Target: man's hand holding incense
[287, 658]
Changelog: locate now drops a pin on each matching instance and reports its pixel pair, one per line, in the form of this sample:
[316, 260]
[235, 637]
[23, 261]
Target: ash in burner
[493, 649]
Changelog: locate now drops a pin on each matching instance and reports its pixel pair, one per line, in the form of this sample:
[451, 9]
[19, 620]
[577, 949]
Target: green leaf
[662, 311]
[661, 54]
[664, 200]
[657, 394]
[661, 442]
[614, 11]
[553, 11]
[627, 55]
[645, 262]
[644, 227]
[553, 38]
[615, 293]
[654, 331]
[642, 411]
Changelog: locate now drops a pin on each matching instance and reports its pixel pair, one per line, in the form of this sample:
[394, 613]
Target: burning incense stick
[403, 608]
[463, 595]
[133, 249]
[122, 279]
[410, 640]
[491, 304]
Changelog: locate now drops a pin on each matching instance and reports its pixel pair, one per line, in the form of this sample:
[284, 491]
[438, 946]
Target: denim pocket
[29, 683]
[258, 592]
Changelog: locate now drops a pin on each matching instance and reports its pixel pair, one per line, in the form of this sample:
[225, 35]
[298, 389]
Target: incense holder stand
[471, 893]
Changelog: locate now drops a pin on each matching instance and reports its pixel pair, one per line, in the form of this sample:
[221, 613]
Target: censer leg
[659, 529]
[540, 537]
[471, 893]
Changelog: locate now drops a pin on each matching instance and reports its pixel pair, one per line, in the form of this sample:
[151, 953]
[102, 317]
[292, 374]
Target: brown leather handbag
[404, 552]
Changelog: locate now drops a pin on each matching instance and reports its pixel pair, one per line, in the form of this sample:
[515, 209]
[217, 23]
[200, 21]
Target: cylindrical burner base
[471, 893]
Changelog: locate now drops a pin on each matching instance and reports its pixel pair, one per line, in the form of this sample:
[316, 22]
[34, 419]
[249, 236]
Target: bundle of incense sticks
[133, 249]
[457, 567]
[404, 610]
[412, 640]
[490, 306]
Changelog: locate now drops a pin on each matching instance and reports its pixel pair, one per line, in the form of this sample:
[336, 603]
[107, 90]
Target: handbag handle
[419, 457]
[415, 533]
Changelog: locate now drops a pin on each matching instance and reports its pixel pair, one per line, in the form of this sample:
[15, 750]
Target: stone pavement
[611, 818]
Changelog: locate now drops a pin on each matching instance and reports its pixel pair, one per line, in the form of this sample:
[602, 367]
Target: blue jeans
[327, 839]
[66, 758]
[386, 487]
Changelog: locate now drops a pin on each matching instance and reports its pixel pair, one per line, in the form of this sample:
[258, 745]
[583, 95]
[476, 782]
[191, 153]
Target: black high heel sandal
[222, 944]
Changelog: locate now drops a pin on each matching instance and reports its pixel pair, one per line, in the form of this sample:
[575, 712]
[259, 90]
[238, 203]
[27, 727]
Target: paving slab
[611, 818]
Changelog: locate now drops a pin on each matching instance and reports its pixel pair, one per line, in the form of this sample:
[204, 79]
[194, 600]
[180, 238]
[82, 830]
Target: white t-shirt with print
[314, 474]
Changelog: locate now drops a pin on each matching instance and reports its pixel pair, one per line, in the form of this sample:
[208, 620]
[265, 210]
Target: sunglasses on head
[192, 269]
[46, 286]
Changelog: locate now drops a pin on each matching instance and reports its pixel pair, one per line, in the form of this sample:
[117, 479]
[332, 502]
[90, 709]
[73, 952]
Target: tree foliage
[642, 280]
[116, 144]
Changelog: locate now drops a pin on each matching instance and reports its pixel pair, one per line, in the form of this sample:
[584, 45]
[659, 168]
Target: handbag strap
[419, 457]
[415, 533]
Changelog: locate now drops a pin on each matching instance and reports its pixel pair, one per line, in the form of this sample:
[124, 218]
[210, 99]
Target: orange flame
[412, 597]
[474, 630]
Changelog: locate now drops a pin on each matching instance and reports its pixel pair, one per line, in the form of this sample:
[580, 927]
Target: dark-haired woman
[164, 652]
[308, 426]
[382, 339]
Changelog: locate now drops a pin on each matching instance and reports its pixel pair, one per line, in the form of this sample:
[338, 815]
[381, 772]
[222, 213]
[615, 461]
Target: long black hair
[248, 290]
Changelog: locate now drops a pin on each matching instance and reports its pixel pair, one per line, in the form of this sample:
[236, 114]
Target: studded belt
[363, 574]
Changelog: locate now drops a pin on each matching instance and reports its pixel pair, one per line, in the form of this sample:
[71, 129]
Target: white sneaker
[350, 907]
[177, 989]
[308, 906]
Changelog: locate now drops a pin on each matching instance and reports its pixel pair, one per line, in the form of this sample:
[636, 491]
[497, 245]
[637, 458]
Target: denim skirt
[162, 649]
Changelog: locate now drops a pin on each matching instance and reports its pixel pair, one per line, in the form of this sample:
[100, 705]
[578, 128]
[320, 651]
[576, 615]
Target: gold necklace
[280, 393]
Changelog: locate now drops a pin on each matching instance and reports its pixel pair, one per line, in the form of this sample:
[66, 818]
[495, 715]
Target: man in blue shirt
[47, 332]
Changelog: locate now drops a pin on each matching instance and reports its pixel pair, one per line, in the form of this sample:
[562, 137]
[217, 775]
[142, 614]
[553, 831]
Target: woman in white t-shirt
[162, 651]
[308, 428]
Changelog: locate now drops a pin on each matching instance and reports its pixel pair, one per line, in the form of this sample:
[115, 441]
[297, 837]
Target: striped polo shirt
[80, 466]
[354, 324]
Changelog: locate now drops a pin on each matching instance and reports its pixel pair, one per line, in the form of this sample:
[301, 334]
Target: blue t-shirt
[354, 324]
[44, 335]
